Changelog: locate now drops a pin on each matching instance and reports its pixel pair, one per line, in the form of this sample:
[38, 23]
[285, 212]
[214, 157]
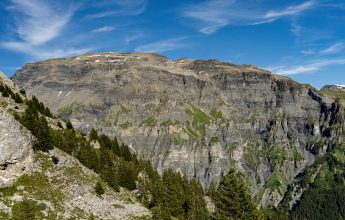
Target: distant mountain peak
[333, 87]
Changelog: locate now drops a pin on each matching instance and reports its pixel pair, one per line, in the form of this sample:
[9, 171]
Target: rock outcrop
[198, 117]
[62, 187]
[15, 142]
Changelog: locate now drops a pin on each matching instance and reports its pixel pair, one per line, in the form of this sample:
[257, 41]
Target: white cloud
[296, 29]
[308, 52]
[133, 37]
[38, 22]
[305, 68]
[291, 10]
[333, 49]
[121, 8]
[162, 46]
[103, 29]
[212, 15]
[44, 53]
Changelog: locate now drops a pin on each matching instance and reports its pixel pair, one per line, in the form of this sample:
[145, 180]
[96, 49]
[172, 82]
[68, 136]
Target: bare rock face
[198, 117]
[15, 144]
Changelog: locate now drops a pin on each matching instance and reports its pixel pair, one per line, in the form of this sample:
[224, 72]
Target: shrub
[99, 189]
[55, 160]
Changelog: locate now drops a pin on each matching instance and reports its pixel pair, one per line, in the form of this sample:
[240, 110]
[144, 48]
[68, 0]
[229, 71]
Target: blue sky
[302, 39]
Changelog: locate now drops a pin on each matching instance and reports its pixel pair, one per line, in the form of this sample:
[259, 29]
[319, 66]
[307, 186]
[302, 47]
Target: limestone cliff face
[199, 117]
[15, 142]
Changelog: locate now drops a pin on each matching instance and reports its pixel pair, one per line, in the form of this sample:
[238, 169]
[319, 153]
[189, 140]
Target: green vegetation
[335, 94]
[124, 109]
[199, 116]
[325, 197]
[216, 114]
[151, 121]
[99, 189]
[233, 200]
[6, 92]
[38, 125]
[8, 191]
[55, 160]
[126, 125]
[27, 209]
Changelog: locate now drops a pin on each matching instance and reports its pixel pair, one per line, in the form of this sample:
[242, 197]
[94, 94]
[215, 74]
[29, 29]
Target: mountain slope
[199, 117]
[49, 185]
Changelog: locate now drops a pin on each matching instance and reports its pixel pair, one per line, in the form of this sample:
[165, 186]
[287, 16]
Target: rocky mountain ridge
[198, 117]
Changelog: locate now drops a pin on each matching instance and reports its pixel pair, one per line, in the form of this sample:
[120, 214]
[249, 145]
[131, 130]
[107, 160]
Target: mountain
[199, 117]
[50, 184]
[337, 92]
[334, 87]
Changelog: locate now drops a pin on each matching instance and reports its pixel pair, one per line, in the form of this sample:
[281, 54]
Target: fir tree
[232, 199]
[175, 194]
[126, 152]
[87, 156]
[99, 189]
[108, 170]
[69, 124]
[93, 134]
[127, 175]
[196, 206]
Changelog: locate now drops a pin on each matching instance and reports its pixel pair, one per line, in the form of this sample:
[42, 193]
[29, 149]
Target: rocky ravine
[199, 117]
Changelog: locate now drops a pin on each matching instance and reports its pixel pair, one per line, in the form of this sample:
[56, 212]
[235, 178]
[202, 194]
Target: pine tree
[233, 200]
[45, 141]
[69, 124]
[175, 194]
[115, 147]
[108, 170]
[99, 189]
[93, 134]
[159, 209]
[87, 156]
[126, 152]
[127, 175]
[196, 206]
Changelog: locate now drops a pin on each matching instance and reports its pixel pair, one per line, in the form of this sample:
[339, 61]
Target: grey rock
[15, 144]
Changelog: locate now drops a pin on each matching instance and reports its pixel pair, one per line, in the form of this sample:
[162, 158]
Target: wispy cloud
[308, 52]
[296, 29]
[163, 45]
[121, 8]
[102, 29]
[36, 23]
[215, 14]
[333, 49]
[133, 37]
[45, 53]
[291, 10]
[305, 68]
